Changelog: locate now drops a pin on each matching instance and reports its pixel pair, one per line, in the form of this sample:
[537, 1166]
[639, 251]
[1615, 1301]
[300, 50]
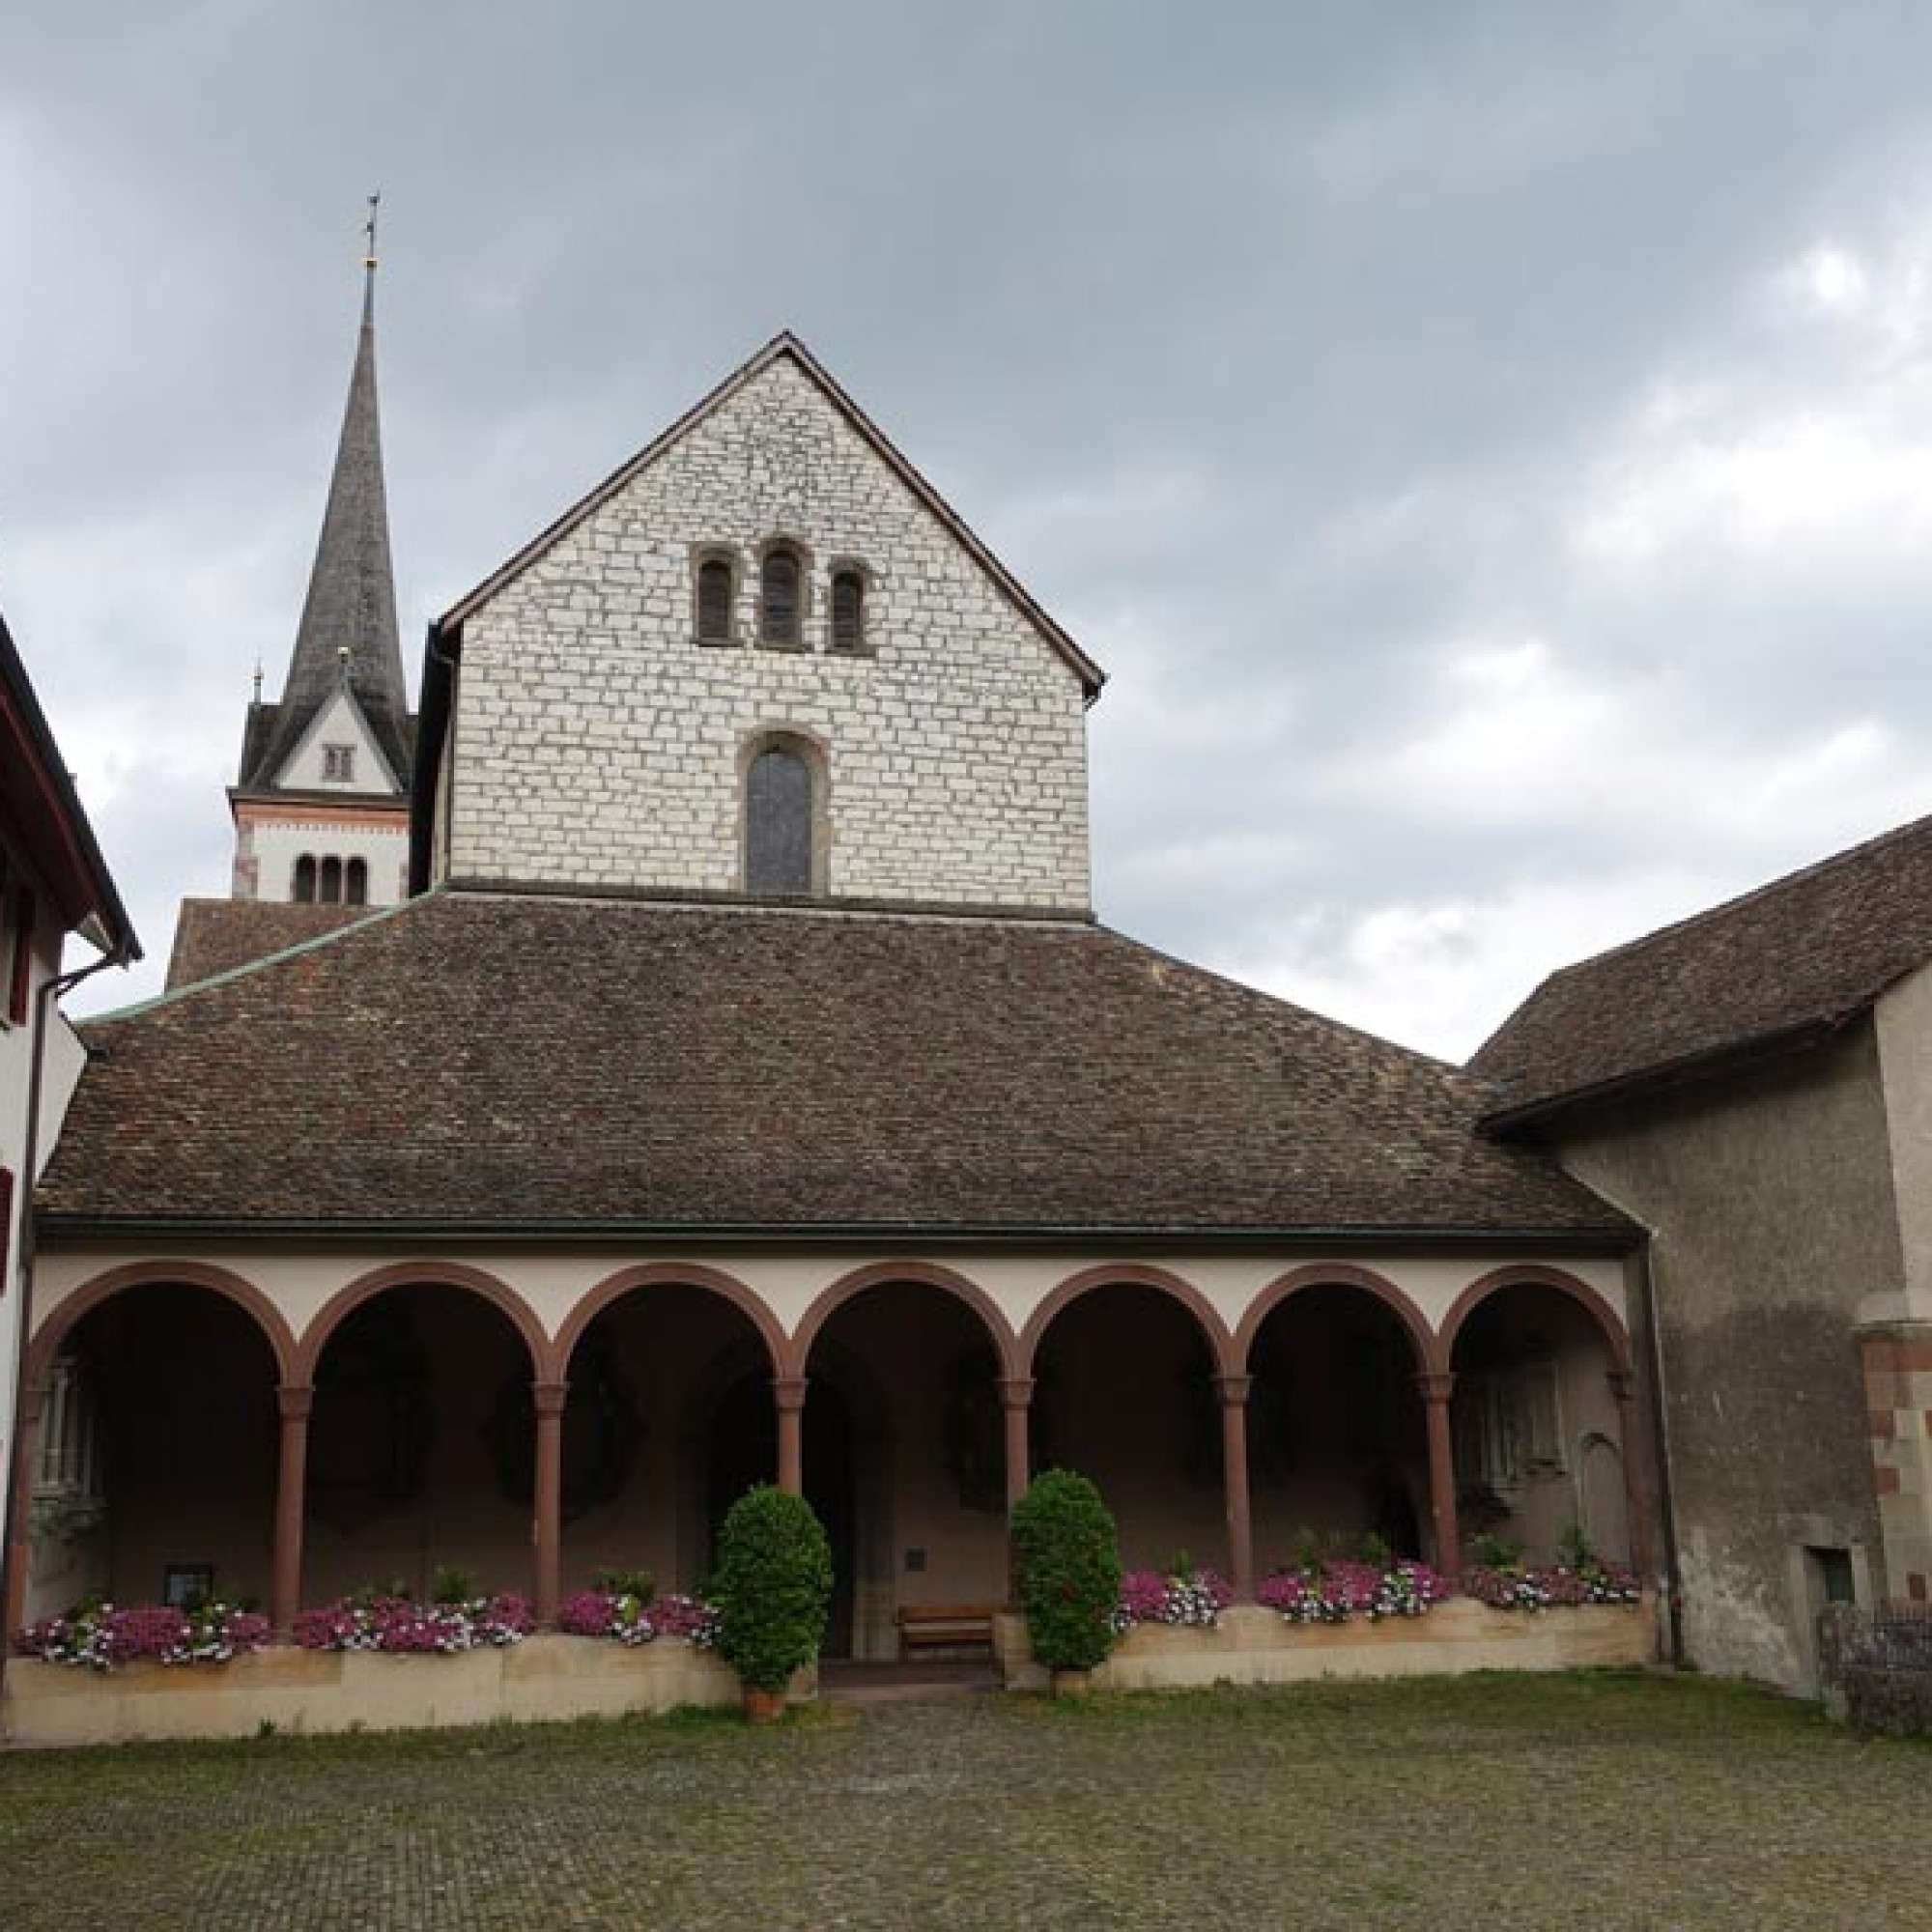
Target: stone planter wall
[298, 1690]
[1252, 1645]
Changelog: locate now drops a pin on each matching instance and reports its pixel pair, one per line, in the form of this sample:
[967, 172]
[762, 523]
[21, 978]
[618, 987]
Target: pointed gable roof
[786, 347]
[352, 594]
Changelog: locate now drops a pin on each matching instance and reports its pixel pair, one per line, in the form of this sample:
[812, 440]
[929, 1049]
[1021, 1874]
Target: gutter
[123, 953]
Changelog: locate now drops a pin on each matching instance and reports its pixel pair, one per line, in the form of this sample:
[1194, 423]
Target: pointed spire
[351, 605]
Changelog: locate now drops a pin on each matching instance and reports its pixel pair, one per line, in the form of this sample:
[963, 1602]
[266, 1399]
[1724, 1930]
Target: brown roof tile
[477, 1059]
[217, 935]
[1801, 954]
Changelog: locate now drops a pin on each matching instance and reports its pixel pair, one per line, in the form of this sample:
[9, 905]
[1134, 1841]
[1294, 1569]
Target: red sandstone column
[788, 1393]
[547, 1530]
[295, 1401]
[1639, 1495]
[1435, 1391]
[26, 1453]
[1233, 1393]
[1017, 1398]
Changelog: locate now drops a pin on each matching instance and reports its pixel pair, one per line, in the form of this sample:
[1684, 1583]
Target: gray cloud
[1309, 362]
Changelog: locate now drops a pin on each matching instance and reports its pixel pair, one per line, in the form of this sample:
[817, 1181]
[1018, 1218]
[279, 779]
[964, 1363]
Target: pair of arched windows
[782, 602]
[331, 881]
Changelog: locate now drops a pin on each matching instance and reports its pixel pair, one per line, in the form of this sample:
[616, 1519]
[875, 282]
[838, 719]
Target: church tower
[321, 805]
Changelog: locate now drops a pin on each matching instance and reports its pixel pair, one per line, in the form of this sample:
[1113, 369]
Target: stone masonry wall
[597, 743]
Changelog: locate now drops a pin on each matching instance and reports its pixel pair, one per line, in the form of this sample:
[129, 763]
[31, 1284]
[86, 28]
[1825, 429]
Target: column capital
[1233, 1390]
[550, 1397]
[1016, 1391]
[788, 1391]
[295, 1401]
[1435, 1386]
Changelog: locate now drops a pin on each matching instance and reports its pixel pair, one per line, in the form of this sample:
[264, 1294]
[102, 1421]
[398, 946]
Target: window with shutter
[778, 600]
[849, 610]
[714, 601]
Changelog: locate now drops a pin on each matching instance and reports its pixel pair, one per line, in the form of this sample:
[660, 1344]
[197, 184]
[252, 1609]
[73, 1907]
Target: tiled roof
[1804, 952]
[473, 1058]
[217, 935]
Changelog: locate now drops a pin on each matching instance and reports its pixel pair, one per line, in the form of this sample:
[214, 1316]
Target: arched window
[849, 610]
[305, 880]
[331, 891]
[714, 601]
[779, 583]
[778, 815]
[356, 882]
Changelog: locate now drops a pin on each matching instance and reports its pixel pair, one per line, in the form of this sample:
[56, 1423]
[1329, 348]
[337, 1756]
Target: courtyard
[1606, 1799]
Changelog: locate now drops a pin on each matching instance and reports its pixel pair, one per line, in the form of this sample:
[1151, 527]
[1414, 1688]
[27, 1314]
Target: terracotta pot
[1072, 1684]
[763, 1707]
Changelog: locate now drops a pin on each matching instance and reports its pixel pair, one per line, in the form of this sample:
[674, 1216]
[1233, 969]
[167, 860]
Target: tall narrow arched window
[329, 890]
[714, 601]
[780, 585]
[356, 882]
[304, 887]
[778, 821]
[849, 610]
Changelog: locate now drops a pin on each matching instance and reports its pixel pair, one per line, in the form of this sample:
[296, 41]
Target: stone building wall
[1770, 1198]
[597, 743]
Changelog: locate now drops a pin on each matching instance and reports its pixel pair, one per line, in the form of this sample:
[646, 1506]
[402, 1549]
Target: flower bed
[101, 1636]
[1185, 1600]
[402, 1625]
[1335, 1591]
[1560, 1586]
[631, 1619]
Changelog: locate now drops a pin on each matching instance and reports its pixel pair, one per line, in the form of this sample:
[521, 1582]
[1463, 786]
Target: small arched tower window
[781, 816]
[779, 602]
[304, 887]
[356, 882]
[849, 610]
[331, 892]
[714, 601]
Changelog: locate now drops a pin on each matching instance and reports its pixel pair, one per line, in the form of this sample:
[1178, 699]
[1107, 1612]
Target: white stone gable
[338, 726]
[597, 741]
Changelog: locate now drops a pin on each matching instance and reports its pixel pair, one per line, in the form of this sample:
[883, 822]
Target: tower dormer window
[716, 592]
[338, 764]
[848, 610]
[781, 599]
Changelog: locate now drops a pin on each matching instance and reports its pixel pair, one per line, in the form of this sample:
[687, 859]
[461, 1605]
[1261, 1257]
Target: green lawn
[1598, 1801]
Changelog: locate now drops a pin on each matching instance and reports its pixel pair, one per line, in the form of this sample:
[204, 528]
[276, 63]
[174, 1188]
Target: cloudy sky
[1490, 446]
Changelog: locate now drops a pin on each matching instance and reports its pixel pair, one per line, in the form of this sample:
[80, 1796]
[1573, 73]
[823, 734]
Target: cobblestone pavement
[1580, 1800]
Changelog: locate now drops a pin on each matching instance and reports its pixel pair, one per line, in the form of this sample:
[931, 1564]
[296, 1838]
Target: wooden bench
[946, 1626]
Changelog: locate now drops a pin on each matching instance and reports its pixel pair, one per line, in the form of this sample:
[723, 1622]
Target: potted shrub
[1070, 1565]
[772, 1589]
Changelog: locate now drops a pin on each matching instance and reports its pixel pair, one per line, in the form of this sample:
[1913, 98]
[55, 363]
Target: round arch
[668, 1274]
[1533, 1274]
[1341, 1274]
[1129, 1275]
[877, 1275]
[424, 1274]
[245, 1294]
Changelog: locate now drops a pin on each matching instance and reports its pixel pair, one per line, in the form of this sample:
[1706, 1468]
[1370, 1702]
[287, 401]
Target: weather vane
[369, 230]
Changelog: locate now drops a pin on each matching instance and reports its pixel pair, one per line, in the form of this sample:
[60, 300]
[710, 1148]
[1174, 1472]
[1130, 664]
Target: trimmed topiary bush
[1069, 1563]
[772, 1586]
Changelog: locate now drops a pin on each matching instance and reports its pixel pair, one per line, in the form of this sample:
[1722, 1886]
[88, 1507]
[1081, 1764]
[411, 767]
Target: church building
[745, 1088]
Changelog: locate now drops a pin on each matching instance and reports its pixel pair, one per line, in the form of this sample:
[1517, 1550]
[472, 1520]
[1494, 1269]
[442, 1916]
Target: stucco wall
[595, 741]
[1772, 1200]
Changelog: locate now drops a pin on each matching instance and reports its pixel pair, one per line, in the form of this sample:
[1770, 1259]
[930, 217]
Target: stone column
[1233, 1391]
[547, 1526]
[1435, 1391]
[1639, 1493]
[295, 1401]
[788, 1393]
[27, 1453]
[1016, 1399]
